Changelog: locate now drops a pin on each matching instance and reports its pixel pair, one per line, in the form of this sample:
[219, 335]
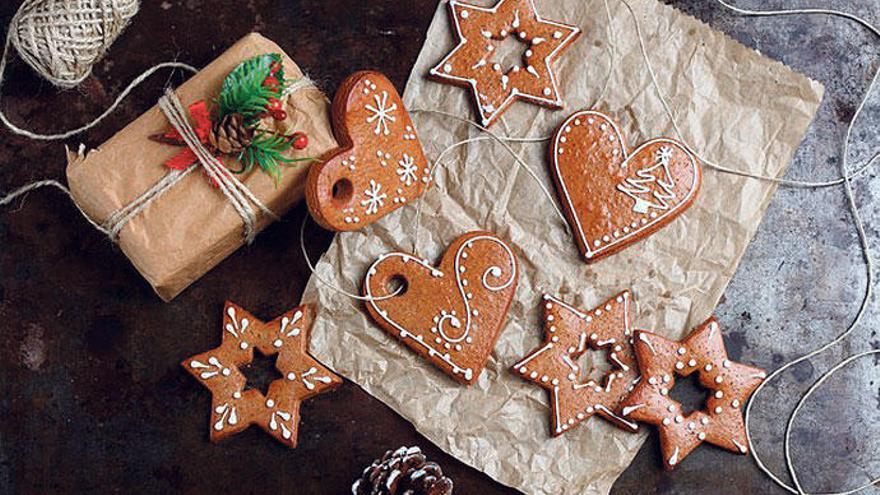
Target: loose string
[9, 198]
[330, 285]
[503, 139]
[66, 134]
[711, 164]
[238, 194]
[845, 180]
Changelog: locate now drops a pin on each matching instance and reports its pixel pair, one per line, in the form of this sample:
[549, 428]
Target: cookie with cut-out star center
[481, 32]
[568, 334]
[234, 407]
[729, 385]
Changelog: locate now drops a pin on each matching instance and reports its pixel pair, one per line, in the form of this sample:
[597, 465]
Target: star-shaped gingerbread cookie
[568, 334]
[475, 62]
[235, 407]
[729, 384]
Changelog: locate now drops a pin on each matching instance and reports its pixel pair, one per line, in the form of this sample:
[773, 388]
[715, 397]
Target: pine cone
[404, 471]
[230, 135]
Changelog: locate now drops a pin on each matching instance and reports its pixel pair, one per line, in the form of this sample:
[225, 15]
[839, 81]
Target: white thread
[5, 200]
[305, 253]
[119, 218]
[721, 168]
[66, 134]
[845, 180]
[609, 31]
[499, 139]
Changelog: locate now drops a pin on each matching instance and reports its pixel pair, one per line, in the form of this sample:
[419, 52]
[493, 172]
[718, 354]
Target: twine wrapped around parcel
[241, 198]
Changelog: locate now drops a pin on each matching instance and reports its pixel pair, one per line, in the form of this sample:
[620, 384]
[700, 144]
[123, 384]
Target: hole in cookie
[689, 393]
[510, 54]
[342, 190]
[397, 285]
[260, 372]
[594, 366]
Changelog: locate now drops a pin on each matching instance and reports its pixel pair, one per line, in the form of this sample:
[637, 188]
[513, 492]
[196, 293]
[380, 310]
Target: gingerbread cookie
[729, 385]
[614, 197]
[379, 166]
[453, 313]
[477, 63]
[569, 333]
[234, 407]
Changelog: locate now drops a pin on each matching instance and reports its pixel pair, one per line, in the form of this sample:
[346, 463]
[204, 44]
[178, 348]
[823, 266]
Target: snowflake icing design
[375, 198]
[664, 154]
[381, 113]
[407, 170]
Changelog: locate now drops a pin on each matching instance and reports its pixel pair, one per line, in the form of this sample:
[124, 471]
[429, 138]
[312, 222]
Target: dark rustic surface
[93, 399]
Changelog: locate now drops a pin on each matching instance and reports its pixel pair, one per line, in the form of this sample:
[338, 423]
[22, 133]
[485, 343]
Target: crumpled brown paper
[192, 227]
[733, 105]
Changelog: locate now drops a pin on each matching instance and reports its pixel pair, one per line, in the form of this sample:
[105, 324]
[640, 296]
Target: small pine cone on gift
[404, 471]
[230, 135]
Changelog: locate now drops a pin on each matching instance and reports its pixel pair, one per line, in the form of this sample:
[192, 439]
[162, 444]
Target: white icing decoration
[212, 369]
[629, 409]
[644, 338]
[228, 415]
[287, 325]
[450, 317]
[375, 198]
[310, 376]
[592, 250]
[382, 113]
[407, 170]
[487, 110]
[640, 188]
[274, 423]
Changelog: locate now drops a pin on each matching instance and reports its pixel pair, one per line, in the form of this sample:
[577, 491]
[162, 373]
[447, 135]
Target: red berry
[299, 140]
[270, 81]
[279, 114]
[275, 67]
[274, 105]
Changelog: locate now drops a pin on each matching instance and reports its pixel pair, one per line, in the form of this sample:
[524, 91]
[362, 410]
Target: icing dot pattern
[450, 314]
[234, 406]
[381, 166]
[569, 333]
[480, 31]
[729, 385]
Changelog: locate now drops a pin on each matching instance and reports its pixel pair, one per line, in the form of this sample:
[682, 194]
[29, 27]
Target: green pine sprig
[243, 91]
[267, 152]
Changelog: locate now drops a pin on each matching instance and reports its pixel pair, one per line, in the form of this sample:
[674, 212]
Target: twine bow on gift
[240, 197]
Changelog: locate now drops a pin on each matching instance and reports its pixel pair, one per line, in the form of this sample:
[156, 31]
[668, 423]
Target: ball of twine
[63, 39]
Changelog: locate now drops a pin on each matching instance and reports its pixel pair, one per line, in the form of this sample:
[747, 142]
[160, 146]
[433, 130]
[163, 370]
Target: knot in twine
[240, 197]
[63, 39]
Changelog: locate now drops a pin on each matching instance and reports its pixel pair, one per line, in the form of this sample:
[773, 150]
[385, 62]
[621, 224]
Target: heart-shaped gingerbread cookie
[379, 166]
[453, 313]
[614, 197]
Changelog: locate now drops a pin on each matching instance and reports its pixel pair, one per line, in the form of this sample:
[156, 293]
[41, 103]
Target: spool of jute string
[63, 39]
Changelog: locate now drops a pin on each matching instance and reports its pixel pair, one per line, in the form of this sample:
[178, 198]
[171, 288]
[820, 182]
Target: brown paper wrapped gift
[190, 228]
